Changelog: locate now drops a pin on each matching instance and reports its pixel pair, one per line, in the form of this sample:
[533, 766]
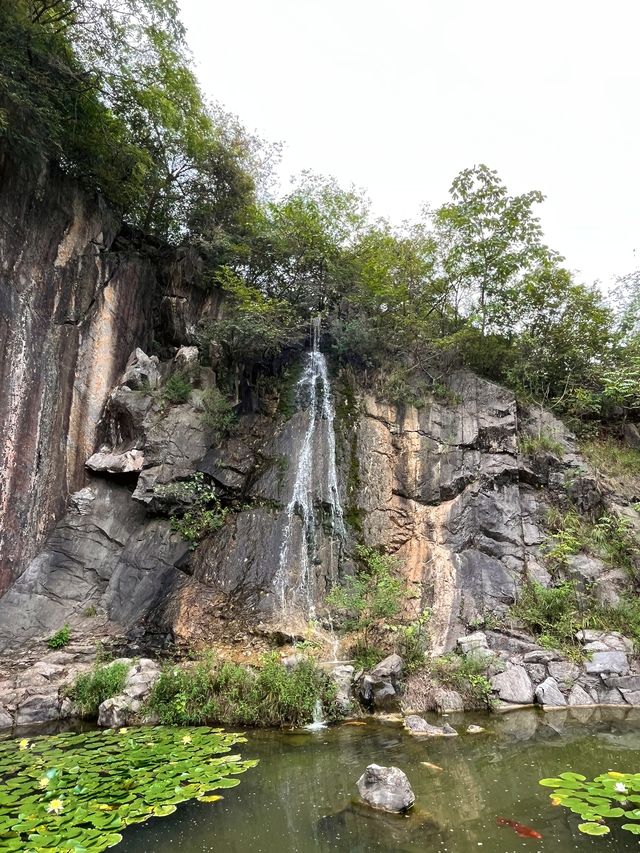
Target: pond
[301, 796]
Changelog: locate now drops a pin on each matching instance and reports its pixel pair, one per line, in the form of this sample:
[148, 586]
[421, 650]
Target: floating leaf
[594, 828]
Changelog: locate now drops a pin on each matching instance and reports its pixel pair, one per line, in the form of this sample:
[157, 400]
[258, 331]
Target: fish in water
[354, 723]
[430, 765]
[519, 828]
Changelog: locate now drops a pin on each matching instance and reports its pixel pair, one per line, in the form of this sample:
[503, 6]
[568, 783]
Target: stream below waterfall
[300, 798]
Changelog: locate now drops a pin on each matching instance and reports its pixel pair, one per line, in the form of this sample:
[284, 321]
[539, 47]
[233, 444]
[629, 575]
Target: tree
[488, 242]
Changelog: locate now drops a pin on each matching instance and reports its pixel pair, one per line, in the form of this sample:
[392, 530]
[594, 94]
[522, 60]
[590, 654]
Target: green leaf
[594, 828]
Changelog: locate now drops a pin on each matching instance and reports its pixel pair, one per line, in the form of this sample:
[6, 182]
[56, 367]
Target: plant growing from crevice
[199, 510]
[219, 414]
[60, 639]
[466, 674]
[530, 445]
[177, 388]
[365, 601]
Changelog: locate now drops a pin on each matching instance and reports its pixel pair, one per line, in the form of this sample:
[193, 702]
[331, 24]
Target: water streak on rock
[295, 581]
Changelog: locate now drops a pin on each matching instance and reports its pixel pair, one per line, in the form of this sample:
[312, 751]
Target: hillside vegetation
[106, 89]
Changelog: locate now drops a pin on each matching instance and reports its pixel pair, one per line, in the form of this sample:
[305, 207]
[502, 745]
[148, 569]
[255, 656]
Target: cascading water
[316, 481]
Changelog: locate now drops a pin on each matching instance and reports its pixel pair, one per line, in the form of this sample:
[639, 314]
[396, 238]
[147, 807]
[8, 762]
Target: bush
[203, 513]
[177, 388]
[225, 692]
[551, 614]
[465, 674]
[60, 639]
[219, 415]
[90, 689]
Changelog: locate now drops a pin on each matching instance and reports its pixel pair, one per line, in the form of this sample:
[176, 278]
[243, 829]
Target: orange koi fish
[519, 828]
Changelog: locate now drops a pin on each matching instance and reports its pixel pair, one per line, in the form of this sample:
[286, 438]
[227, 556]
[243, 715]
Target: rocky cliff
[98, 463]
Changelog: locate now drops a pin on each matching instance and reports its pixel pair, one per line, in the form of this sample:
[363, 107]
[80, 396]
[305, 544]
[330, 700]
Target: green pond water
[302, 797]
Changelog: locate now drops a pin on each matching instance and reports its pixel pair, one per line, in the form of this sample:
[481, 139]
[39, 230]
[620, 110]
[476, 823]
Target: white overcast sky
[397, 97]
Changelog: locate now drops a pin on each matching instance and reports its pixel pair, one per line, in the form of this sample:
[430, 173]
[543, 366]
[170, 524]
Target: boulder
[389, 668]
[564, 672]
[541, 656]
[115, 462]
[6, 720]
[623, 682]
[141, 372]
[386, 788]
[537, 672]
[631, 435]
[579, 696]
[187, 359]
[38, 708]
[607, 662]
[513, 686]
[609, 695]
[631, 697]
[114, 713]
[548, 694]
[475, 646]
[475, 730]
[446, 701]
[416, 725]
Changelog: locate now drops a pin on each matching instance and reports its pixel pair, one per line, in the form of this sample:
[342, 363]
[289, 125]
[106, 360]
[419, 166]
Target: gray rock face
[579, 696]
[446, 701]
[389, 668]
[379, 694]
[116, 463]
[548, 694]
[386, 788]
[565, 673]
[513, 686]
[607, 662]
[114, 713]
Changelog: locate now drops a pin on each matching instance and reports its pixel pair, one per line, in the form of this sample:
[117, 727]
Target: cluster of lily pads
[74, 793]
[609, 796]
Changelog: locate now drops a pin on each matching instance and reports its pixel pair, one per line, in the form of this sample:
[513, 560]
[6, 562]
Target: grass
[466, 675]
[223, 692]
[614, 459]
[530, 445]
[60, 639]
[609, 537]
[90, 689]
[555, 614]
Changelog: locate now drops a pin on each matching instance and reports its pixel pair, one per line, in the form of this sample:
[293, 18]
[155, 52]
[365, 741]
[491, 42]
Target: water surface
[302, 797]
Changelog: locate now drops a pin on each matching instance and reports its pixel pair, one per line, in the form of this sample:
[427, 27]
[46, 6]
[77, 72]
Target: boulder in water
[386, 788]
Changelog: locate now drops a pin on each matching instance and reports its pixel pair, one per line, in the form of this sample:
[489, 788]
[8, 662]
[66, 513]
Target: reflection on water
[302, 796]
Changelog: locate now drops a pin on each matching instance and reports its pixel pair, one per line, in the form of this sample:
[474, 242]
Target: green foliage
[530, 445]
[224, 692]
[551, 614]
[199, 511]
[613, 459]
[466, 674]
[177, 388]
[76, 793]
[364, 601]
[90, 689]
[610, 796]
[60, 639]
[219, 414]
[412, 642]
[609, 537]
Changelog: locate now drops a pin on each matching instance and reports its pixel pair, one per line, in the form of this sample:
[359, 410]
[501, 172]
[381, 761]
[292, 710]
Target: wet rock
[379, 695]
[416, 725]
[607, 662]
[386, 788]
[513, 686]
[112, 462]
[342, 676]
[548, 694]
[579, 696]
[475, 730]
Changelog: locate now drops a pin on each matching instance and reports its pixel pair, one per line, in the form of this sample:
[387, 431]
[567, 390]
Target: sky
[398, 97]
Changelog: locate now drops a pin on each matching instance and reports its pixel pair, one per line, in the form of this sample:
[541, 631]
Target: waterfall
[316, 475]
[318, 719]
